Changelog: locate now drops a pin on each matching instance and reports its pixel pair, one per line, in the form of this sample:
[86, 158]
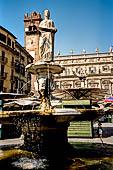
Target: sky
[80, 23]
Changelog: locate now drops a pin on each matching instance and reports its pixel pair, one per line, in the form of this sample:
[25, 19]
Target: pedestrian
[100, 130]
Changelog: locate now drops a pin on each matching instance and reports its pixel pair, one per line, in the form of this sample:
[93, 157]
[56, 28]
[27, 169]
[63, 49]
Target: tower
[32, 34]
[31, 40]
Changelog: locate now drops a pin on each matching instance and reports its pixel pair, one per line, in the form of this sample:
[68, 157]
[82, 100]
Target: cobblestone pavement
[108, 140]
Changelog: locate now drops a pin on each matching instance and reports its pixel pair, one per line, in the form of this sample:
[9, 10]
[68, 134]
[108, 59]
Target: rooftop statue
[46, 43]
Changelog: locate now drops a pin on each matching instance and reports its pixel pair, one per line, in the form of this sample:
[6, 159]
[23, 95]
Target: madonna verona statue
[46, 43]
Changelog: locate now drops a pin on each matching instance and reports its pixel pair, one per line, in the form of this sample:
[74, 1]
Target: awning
[21, 103]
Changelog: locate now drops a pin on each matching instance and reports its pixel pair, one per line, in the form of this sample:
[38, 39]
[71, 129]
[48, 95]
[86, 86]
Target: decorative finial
[84, 51]
[71, 51]
[58, 53]
[110, 49]
[97, 50]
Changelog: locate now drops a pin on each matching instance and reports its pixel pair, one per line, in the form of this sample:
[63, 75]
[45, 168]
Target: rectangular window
[92, 70]
[16, 82]
[17, 66]
[105, 68]
[1, 85]
[22, 57]
[12, 62]
[17, 53]
[2, 70]
[3, 55]
[22, 70]
[9, 41]
[13, 45]
[111, 70]
[12, 59]
[12, 74]
[2, 38]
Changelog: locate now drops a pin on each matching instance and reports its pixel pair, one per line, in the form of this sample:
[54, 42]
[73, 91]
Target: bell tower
[31, 41]
[32, 34]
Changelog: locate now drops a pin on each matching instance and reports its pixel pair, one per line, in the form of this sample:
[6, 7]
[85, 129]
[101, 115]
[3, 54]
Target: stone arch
[106, 84]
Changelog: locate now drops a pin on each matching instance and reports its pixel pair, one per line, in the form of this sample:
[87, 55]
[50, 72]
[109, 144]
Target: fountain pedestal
[44, 135]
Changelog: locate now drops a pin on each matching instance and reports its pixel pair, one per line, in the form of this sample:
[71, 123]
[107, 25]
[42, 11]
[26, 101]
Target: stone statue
[46, 43]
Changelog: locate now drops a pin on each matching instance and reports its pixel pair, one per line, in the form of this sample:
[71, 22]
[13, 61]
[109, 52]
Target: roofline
[84, 55]
[7, 31]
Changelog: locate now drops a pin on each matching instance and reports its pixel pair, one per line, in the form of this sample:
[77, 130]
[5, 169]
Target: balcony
[3, 59]
[3, 75]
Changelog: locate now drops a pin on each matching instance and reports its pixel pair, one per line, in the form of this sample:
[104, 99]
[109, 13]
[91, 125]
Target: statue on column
[46, 43]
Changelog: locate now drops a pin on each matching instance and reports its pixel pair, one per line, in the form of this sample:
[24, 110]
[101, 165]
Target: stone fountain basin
[41, 67]
[60, 115]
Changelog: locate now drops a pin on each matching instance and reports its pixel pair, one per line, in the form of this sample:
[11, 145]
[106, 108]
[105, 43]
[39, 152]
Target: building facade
[96, 68]
[13, 59]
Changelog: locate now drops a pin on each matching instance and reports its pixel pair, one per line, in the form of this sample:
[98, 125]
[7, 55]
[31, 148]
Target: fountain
[44, 129]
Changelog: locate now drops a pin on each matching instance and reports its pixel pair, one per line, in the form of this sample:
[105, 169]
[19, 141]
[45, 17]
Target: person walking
[100, 130]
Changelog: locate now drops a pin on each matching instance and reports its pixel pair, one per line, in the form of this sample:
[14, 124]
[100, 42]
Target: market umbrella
[109, 100]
